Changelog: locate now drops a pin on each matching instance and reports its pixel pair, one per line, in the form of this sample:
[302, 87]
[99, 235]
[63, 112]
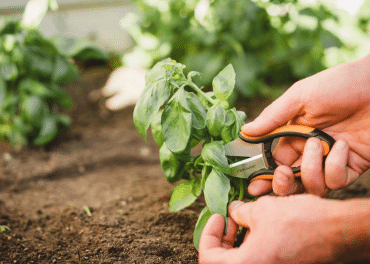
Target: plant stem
[241, 190]
[196, 88]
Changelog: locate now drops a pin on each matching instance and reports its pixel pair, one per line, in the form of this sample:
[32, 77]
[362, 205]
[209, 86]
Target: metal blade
[244, 168]
[240, 148]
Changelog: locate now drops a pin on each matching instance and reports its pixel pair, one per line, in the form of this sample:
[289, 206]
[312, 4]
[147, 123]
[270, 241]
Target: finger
[211, 249]
[259, 187]
[336, 170]
[288, 150]
[276, 114]
[312, 169]
[284, 182]
[212, 233]
[231, 232]
[241, 213]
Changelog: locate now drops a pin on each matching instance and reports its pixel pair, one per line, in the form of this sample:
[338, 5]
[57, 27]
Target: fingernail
[233, 205]
[341, 144]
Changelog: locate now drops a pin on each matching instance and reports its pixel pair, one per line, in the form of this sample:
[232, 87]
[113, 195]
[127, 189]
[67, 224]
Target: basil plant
[181, 116]
[33, 69]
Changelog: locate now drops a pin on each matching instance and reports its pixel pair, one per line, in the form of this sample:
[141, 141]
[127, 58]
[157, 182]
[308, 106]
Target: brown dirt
[104, 165]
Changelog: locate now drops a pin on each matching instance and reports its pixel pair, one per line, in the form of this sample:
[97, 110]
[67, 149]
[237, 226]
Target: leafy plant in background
[271, 44]
[32, 71]
[181, 115]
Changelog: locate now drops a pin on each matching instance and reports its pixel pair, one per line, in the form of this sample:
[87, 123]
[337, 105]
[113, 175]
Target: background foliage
[271, 44]
[33, 70]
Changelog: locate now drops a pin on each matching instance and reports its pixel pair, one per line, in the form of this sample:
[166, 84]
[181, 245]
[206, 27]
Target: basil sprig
[181, 115]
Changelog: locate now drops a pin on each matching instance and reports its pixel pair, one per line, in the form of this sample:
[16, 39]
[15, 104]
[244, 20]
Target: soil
[97, 193]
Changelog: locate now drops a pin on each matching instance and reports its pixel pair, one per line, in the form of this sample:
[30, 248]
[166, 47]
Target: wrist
[349, 230]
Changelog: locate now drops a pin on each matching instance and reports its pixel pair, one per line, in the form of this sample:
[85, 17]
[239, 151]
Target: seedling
[181, 116]
[87, 210]
[4, 228]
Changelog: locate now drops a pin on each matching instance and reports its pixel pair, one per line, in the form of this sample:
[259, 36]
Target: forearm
[351, 230]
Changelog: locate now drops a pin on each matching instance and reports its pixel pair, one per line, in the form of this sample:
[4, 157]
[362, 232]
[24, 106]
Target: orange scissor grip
[285, 131]
[271, 176]
[295, 131]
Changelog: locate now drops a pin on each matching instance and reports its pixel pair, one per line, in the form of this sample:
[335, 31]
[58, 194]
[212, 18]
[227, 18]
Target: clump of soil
[97, 194]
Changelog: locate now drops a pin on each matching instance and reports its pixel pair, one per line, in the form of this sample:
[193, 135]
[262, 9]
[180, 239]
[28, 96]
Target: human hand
[336, 101]
[124, 87]
[294, 229]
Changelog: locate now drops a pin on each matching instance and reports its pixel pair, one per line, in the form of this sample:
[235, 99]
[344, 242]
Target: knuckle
[263, 202]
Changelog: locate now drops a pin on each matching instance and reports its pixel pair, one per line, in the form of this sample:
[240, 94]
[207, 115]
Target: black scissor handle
[285, 131]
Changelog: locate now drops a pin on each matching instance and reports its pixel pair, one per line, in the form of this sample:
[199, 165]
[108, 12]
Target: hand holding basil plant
[182, 116]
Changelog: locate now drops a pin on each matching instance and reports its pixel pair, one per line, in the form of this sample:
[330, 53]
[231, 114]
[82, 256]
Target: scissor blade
[240, 148]
[244, 168]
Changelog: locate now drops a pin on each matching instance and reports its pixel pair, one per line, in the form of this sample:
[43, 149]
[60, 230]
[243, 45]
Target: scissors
[259, 163]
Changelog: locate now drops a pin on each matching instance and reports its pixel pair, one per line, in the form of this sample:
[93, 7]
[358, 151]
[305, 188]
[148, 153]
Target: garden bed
[97, 194]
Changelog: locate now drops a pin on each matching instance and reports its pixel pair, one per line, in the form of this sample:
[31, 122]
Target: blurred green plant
[271, 44]
[32, 71]
[4, 228]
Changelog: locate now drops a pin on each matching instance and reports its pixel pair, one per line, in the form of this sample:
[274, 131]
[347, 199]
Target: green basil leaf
[184, 195]
[34, 109]
[206, 170]
[65, 120]
[201, 223]
[177, 123]
[9, 42]
[9, 71]
[214, 155]
[156, 128]
[171, 165]
[61, 96]
[30, 86]
[175, 72]
[192, 74]
[215, 120]
[197, 188]
[2, 93]
[241, 116]
[202, 133]
[229, 118]
[5, 130]
[34, 38]
[216, 192]
[198, 112]
[22, 126]
[79, 49]
[9, 25]
[227, 134]
[224, 83]
[17, 55]
[10, 103]
[48, 131]
[233, 123]
[17, 137]
[156, 93]
[39, 61]
[157, 72]
[64, 70]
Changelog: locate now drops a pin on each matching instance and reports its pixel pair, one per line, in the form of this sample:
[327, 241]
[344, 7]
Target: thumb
[276, 114]
[241, 213]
